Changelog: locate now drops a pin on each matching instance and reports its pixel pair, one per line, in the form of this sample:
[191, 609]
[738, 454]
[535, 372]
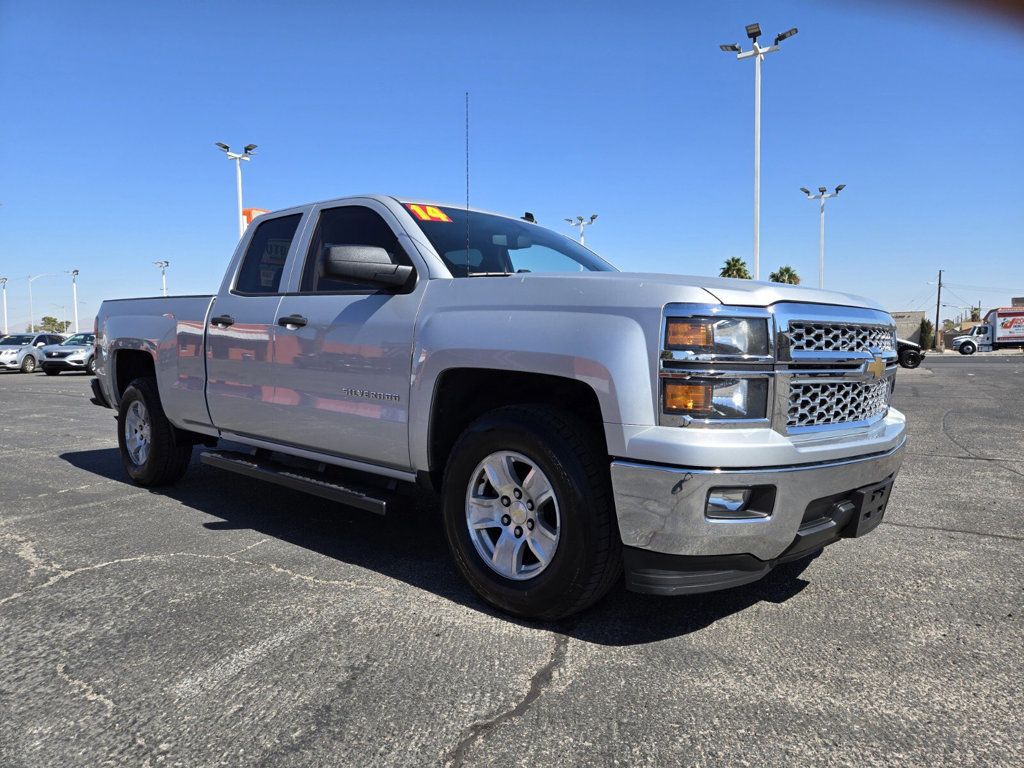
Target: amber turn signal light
[688, 334]
[686, 397]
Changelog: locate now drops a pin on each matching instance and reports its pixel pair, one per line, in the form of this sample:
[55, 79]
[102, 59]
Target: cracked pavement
[225, 622]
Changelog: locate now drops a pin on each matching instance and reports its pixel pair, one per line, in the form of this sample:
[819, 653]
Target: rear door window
[265, 258]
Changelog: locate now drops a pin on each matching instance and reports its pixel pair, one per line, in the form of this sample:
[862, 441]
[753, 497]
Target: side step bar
[290, 477]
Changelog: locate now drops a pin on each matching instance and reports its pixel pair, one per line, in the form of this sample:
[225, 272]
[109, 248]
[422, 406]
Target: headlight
[715, 398]
[717, 336]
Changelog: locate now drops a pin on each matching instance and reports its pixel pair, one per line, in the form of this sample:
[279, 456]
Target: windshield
[16, 341]
[494, 245]
[79, 340]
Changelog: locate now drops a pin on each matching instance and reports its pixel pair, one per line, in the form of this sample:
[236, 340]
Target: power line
[984, 288]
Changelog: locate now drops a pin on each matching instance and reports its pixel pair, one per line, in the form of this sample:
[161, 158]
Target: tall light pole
[581, 223]
[757, 53]
[822, 196]
[31, 310]
[3, 287]
[74, 294]
[246, 155]
[163, 265]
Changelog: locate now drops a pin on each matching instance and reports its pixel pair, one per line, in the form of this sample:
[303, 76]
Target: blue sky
[110, 111]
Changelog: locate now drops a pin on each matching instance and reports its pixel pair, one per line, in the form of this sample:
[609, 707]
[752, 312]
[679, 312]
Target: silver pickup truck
[575, 421]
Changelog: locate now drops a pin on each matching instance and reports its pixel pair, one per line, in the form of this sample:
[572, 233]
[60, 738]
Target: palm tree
[735, 267]
[785, 274]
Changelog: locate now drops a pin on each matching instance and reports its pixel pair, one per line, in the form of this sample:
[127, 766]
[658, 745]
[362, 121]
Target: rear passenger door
[342, 375]
[239, 340]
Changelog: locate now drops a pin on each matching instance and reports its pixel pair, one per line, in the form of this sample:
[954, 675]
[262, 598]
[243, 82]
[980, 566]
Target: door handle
[296, 320]
[222, 320]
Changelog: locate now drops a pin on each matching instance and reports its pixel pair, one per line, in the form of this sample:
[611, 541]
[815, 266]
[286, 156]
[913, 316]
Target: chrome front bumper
[662, 508]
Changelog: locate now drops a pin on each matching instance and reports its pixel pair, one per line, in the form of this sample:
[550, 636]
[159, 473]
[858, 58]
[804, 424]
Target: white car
[73, 354]
[23, 351]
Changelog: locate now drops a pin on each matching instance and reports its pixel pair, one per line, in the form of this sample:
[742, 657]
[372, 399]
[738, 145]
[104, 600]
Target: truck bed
[172, 330]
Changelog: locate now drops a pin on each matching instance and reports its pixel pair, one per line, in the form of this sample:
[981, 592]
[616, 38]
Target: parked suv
[72, 354]
[23, 351]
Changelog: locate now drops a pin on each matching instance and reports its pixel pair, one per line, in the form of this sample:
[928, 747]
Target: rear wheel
[968, 348]
[528, 512]
[28, 365]
[152, 450]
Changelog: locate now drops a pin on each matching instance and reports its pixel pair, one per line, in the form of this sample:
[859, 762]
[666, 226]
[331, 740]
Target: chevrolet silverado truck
[574, 421]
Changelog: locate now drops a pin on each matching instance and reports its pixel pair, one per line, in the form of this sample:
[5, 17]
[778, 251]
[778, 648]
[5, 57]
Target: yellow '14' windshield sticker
[427, 212]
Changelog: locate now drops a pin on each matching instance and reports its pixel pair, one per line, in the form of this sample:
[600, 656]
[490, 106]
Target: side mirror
[40, 344]
[365, 264]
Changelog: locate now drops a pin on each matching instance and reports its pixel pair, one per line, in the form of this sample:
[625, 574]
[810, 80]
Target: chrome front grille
[816, 404]
[840, 337]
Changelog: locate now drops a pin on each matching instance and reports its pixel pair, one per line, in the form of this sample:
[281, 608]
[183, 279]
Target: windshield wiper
[489, 274]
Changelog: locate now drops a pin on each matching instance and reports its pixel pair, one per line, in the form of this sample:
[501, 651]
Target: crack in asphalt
[954, 530]
[949, 436]
[62, 575]
[540, 680]
[88, 692]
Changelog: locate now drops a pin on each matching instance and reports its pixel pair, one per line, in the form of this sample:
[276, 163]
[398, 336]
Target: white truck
[576, 421]
[1002, 328]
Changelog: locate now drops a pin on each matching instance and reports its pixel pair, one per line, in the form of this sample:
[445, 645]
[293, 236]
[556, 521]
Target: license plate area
[870, 503]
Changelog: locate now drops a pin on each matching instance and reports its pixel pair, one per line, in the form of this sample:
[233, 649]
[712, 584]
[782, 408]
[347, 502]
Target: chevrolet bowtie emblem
[876, 368]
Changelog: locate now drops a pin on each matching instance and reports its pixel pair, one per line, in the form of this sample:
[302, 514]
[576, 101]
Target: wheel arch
[462, 395]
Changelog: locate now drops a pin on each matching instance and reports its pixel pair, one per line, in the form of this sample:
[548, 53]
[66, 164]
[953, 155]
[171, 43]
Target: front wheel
[528, 512]
[153, 452]
[90, 367]
[28, 365]
[910, 358]
[968, 349]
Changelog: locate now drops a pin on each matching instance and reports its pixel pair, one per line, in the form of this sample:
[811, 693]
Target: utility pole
[938, 303]
[3, 286]
[757, 53]
[581, 223]
[246, 154]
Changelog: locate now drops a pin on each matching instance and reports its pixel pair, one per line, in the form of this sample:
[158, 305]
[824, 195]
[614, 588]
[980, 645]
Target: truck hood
[751, 292]
[637, 290]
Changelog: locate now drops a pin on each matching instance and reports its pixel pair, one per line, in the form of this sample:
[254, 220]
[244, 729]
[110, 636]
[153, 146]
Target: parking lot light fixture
[581, 223]
[31, 309]
[162, 266]
[238, 157]
[757, 53]
[821, 197]
[74, 294]
[3, 288]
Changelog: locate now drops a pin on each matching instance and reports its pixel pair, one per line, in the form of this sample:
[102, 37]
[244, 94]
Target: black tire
[588, 557]
[910, 358]
[50, 371]
[968, 349]
[169, 450]
[90, 367]
[28, 365]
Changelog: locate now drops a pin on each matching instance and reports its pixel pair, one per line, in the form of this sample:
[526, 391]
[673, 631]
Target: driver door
[343, 351]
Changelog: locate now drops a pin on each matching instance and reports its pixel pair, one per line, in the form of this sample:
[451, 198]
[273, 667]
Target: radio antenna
[467, 177]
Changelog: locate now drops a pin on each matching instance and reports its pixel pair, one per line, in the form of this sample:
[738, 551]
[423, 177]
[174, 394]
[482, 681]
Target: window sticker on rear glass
[427, 212]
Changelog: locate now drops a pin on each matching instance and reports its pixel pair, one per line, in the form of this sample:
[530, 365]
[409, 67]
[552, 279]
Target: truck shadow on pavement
[409, 545]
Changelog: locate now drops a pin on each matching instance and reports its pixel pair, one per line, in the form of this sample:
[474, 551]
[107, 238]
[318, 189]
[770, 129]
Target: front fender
[608, 352]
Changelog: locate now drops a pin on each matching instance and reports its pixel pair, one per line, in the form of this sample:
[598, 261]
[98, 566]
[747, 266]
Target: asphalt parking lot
[222, 622]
